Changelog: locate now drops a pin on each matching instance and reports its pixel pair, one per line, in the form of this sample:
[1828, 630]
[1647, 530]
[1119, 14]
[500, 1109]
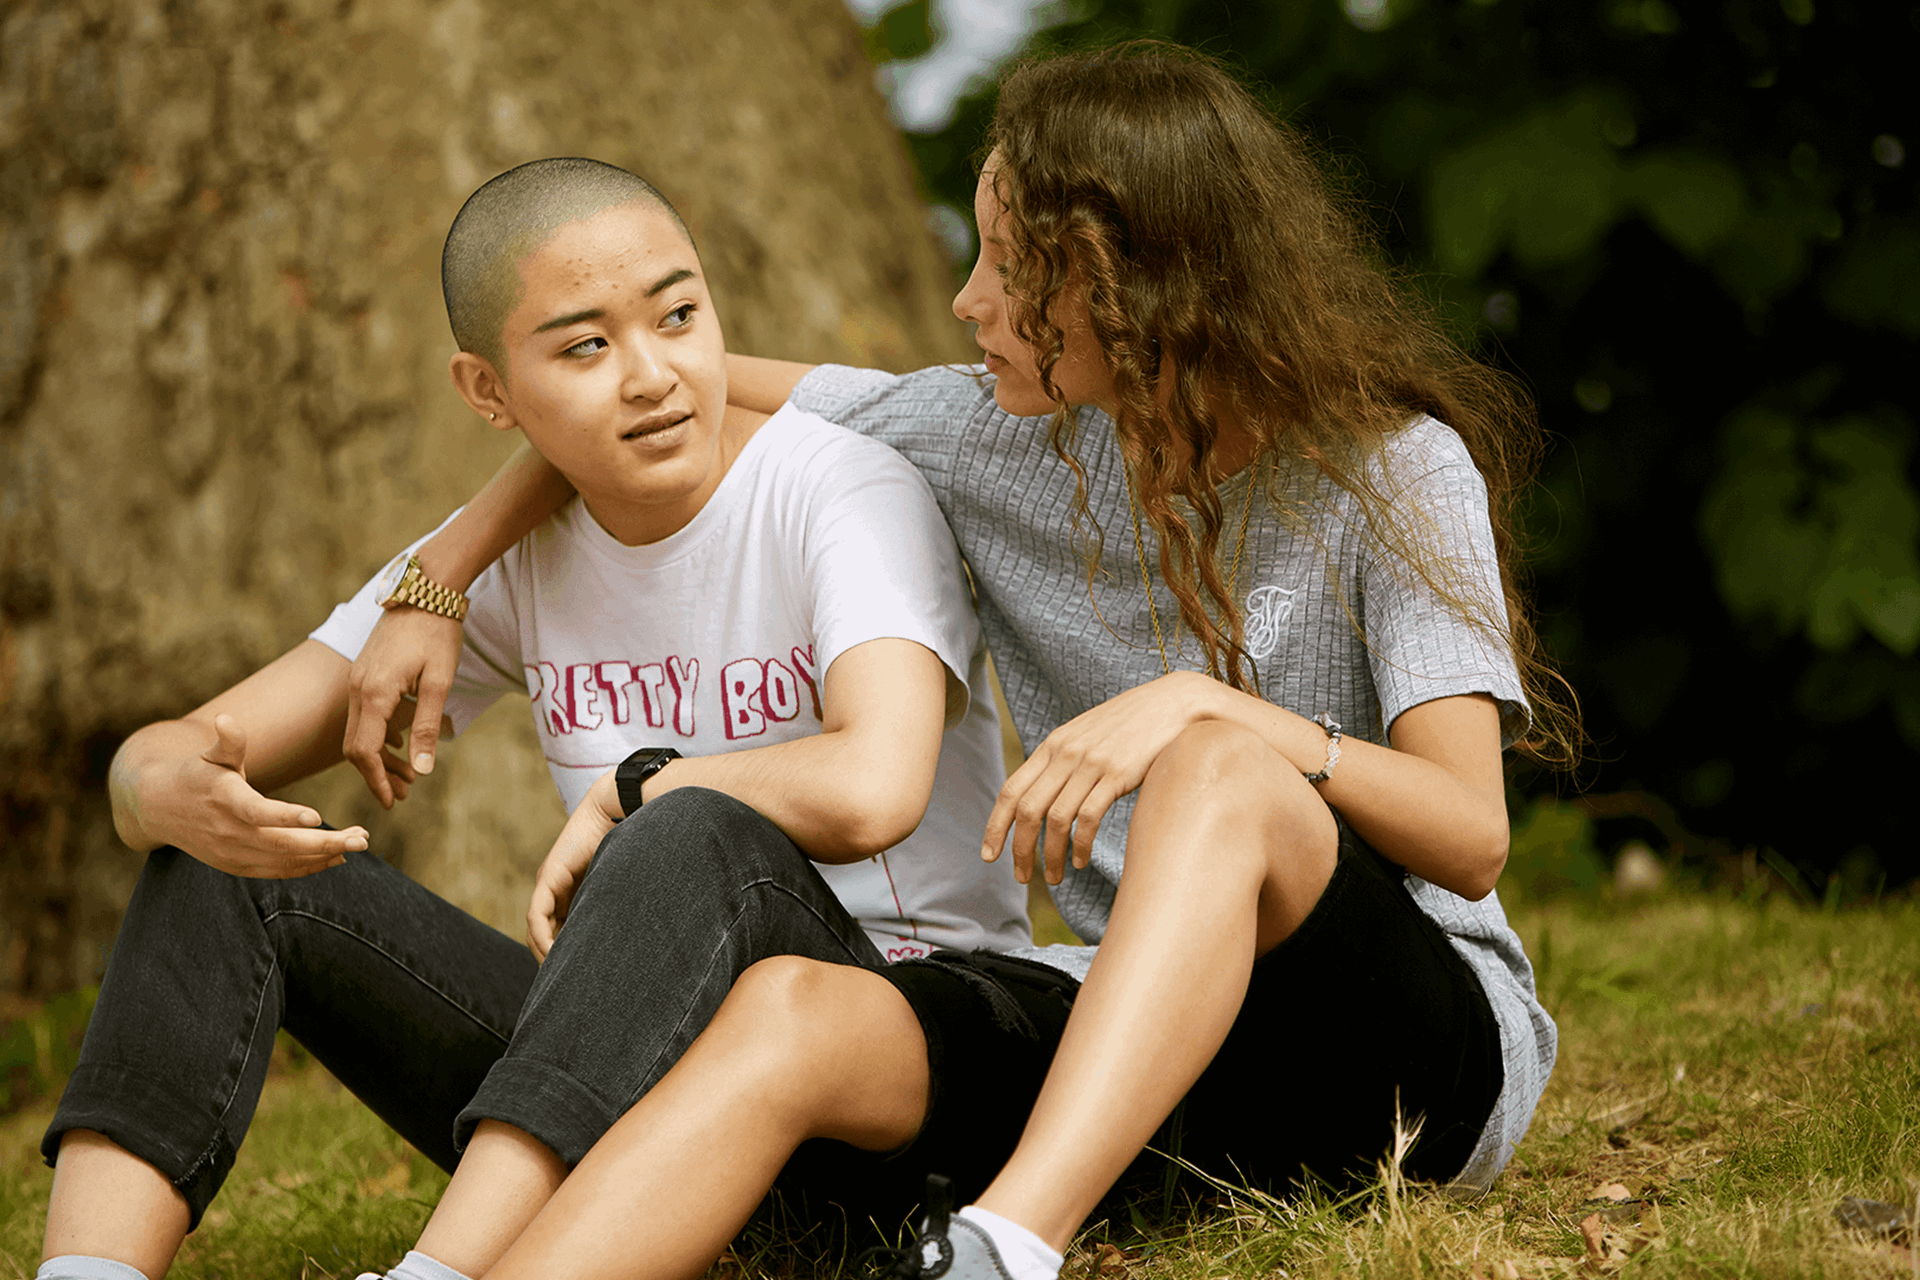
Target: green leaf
[1818, 527]
[1877, 281]
[1692, 198]
[902, 32]
[1547, 185]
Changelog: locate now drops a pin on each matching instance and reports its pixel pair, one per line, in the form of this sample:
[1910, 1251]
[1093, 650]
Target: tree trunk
[223, 397]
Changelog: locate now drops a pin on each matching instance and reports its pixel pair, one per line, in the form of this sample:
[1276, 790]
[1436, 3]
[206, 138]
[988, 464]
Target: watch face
[390, 578]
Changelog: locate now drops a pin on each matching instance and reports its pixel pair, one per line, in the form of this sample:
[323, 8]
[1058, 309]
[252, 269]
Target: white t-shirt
[718, 637]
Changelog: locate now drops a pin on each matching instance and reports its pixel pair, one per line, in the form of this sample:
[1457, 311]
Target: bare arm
[413, 652]
[200, 782]
[763, 385]
[1434, 801]
[854, 789]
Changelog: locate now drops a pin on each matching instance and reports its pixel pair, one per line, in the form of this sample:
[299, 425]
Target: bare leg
[801, 1049]
[506, 1176]
[149, 1218]
[1228, 850]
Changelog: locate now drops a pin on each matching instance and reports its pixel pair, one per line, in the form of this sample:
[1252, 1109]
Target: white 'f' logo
[1268, 609]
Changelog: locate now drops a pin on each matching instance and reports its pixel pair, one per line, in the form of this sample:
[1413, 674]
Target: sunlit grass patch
[1728, 1073]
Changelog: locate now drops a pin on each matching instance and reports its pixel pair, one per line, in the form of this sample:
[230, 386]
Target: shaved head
[509, 218]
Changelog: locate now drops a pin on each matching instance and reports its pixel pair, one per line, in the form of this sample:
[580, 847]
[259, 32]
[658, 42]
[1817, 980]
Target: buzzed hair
[509, 218]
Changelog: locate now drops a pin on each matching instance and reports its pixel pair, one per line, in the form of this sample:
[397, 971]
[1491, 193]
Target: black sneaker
[945, 1247]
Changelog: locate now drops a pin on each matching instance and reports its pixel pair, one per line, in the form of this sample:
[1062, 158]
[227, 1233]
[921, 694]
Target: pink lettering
[652, 679]
[544, 687]
[614, 677]
[583, 696]
[740, 682]
[779, 692]
[684, 676]
[803, 664]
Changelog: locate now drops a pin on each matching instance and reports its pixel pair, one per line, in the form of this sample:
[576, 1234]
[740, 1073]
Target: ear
[482, 387]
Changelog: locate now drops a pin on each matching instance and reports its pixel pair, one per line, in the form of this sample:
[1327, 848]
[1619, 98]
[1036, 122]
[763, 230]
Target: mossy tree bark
[223, 398]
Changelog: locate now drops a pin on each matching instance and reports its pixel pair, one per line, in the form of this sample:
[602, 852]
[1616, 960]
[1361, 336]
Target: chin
[1019, 403]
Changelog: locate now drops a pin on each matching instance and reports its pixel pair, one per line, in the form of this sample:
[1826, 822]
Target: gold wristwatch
[405, 582]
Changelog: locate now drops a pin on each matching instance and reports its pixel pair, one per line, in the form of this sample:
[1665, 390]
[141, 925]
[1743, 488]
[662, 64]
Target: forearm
[1445, 824]
[839, 798]
[754, 382]
[522, 494]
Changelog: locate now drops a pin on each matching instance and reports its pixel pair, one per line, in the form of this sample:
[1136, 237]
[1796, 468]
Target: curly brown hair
[1207, 241]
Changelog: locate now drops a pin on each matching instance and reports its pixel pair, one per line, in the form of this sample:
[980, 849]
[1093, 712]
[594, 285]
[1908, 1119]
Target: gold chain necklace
[1146, 578]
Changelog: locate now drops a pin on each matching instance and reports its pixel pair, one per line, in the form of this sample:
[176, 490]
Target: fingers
[434, 685]
[540, 923]
[369, 706]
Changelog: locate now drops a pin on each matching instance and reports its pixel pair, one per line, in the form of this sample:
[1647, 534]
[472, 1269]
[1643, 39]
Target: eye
[585, 347]
[681, 316]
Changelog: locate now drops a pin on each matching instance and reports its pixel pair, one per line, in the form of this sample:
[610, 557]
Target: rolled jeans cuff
[134, 1110]
[543, 1101]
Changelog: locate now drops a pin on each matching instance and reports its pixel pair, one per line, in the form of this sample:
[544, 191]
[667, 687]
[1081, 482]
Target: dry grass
[1732, 1069]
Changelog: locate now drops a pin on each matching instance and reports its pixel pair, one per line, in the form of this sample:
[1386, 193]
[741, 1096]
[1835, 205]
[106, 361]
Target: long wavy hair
[1207, 242]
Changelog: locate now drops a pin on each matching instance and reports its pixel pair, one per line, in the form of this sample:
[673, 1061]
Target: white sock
[418, 1266]
[80, 1266]
[1027, 1256]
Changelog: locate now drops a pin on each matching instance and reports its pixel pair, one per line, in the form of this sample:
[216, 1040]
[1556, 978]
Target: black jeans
[413, 1004]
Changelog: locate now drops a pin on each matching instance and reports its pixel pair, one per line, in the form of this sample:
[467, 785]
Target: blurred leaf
[1548, 184]
[902, 32]
[1877, 281]
[1816, 527]
[1692, 198]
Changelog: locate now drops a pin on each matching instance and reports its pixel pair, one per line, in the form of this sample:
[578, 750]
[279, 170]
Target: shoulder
[807, 448]
[1423, 457]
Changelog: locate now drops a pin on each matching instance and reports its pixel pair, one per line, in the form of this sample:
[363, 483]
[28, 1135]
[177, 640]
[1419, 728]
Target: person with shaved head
[772, 730]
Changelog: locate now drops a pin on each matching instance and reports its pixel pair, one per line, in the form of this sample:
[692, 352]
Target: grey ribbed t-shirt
[1061, 650]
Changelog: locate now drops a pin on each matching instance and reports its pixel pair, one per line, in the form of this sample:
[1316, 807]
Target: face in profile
[618, 369]
[1081, 373]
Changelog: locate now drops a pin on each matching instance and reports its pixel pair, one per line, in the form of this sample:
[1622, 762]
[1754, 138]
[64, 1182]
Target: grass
[1734, 1068]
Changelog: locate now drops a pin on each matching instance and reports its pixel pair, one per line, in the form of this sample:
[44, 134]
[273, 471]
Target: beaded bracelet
[1326, 721]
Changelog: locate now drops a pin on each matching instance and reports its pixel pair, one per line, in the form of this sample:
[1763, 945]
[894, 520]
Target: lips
[654, 424]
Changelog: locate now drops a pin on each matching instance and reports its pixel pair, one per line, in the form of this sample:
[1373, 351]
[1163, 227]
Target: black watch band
[634, 772]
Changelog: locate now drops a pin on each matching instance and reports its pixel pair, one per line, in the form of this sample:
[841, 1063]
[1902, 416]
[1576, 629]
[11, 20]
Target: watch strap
[422, 592]
[633, 772]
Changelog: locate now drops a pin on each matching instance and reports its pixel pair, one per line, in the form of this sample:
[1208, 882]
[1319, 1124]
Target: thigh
[1365, 1013]
[682, 898]
[992, 1024]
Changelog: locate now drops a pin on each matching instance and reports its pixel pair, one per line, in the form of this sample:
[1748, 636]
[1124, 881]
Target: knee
[1230, 772]
[786, 996]
[1221, 759]
[692, 827]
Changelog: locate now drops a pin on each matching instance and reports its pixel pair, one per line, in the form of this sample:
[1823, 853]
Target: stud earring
[493, 417]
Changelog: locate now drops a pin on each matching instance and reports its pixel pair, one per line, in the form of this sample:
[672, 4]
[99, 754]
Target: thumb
[229, 750]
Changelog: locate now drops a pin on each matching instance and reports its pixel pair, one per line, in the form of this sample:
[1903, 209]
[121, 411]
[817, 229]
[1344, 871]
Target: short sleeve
[1421, 645]
[879, 562]
[487, 667]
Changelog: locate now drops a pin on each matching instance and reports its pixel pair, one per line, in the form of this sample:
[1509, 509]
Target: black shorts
[1365, 1002]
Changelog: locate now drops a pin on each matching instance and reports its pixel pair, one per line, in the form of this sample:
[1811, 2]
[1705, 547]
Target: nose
[648, 375]
[971, 300]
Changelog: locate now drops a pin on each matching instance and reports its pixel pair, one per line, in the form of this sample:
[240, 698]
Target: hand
[559, 875]
[412, 652]
[1079, 770]
[208, 809]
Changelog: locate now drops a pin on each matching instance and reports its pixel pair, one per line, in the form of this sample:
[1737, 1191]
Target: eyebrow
[667, 281]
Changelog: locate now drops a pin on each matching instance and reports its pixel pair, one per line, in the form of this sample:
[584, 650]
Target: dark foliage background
[1692, 231]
